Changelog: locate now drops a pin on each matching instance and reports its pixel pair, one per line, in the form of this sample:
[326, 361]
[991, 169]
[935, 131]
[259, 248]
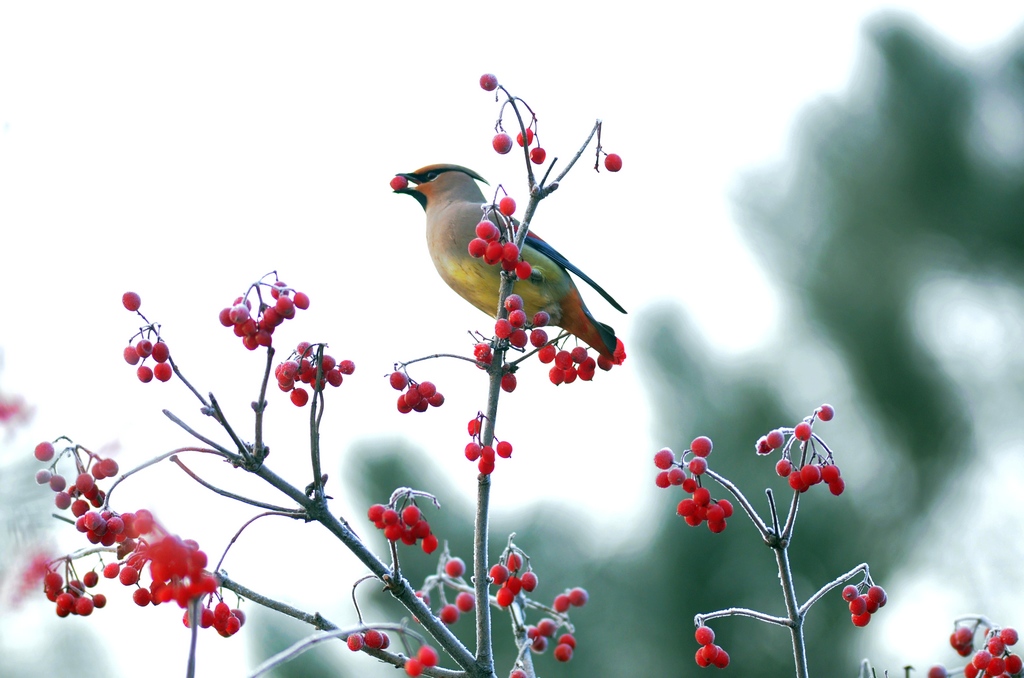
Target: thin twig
[743, 501]
[223, 421]
[579, 154]
[229, 495]
[863, 567]
[700, 619]
[147, 464]
[228, 454]
[287, 514]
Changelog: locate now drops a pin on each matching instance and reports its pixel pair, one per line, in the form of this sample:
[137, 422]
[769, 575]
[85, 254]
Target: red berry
[131, 301]
[145, 374]
[455, 567]
[810, 474]
[826, 412]
[538, 155]
[529, 581]
[413, 667]
[704, 635]
[860, 619]
[131, 356]
[505, 597]
[162, 371]
[701, 446]
[937, 672]
[44, 451]
[398, 183]
[160, 352]
[529, 137]
[427, 655]
[302, 300]
[698, 465]
[399, 381]
[429, 543]
[523, 270]
[578, 597]
[502, 143]
[784, 467]
[849, 592]
[775, 439]
[612, 162]
[802, 431]
[299, 397]
[355, 642]
[449, 614]
[465, 601]
[663, 458]
[507, 206]
[504, 449]
[488, 82]
[563, 652]
[142, 597]
[1009, 636]
[499, 574]
[508, 383]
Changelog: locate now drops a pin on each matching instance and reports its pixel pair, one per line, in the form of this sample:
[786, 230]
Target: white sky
[184, 152]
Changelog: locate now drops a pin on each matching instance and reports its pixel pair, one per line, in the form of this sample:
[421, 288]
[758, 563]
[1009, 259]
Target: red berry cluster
[145, 347]
[993, 659]
[568, 365]
[418, 395]
[224, 619]
[83, 490]
[484, 455]
[506, 574]
[302, 367]
[817, 467]
[371, 638]
[407, 525]
[709, 654]
[72, 598]
[257, 331]
[494, 244]
[686, 472]
[542, 635]
[455, 568]
[518, 328]
[426, 657]
[863, 605]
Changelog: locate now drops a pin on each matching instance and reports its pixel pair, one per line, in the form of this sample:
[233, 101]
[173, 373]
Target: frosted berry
[775, 439]
[826, 412]
[663, 458]
[399, 381]
[131, 301]
[398, 183]
[612, 162]
[701, 446]
[502, 143]
[44, 451]
[455, 567]
[488, 82]
[802, 431]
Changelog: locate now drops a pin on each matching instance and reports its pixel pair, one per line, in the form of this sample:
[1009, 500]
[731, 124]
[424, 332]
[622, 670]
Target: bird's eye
[432, 175]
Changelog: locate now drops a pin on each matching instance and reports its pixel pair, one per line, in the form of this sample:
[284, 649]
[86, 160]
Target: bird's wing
[550, 252]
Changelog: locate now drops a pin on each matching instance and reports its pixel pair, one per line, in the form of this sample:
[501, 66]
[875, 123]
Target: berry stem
[841, 579]
[222, 420]
[316, 412]
[701, 619]
[230, 495]
[259, 452]
[147, 464]
[177, 371]
[217, 448]
[287, 514]
[743, 501]
[579, 154]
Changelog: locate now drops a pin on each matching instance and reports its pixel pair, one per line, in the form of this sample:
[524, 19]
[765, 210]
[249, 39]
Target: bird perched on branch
[454, 205]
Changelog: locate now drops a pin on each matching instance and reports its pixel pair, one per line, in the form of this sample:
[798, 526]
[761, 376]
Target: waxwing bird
[454, 205]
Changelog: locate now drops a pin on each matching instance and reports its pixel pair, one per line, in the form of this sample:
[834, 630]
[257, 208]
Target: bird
[454, 205]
